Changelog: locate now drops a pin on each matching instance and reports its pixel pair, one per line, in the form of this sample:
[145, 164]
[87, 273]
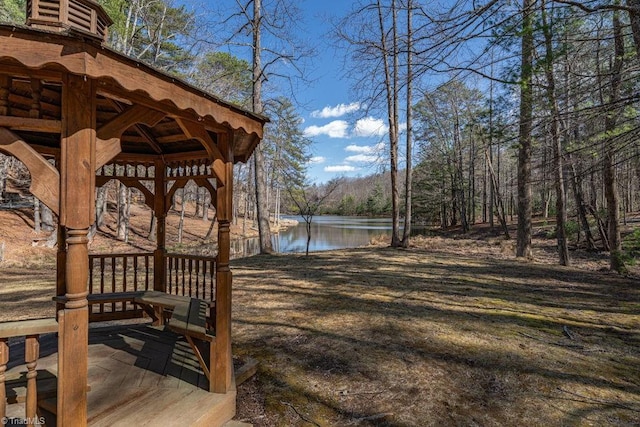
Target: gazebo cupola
[85, 16]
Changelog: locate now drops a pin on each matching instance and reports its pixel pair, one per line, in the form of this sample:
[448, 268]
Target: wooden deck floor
[138, 375]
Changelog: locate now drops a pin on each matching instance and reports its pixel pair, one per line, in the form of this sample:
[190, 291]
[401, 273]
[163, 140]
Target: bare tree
[523, 248]
[408, 184]
[561, 209]
[308, 201]
[610, 181]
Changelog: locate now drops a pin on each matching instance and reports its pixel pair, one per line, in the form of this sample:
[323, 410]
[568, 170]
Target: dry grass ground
[451, 332]
[423, 337]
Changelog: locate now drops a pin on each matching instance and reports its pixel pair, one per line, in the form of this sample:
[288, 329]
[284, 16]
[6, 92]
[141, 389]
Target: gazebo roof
[185, 117]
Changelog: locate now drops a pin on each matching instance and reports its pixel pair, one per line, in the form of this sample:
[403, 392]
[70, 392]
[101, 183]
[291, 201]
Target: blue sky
[346, 141]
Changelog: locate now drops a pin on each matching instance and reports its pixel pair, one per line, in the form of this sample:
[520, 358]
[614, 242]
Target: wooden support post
[159, 255]
[31, 355]
[222, 378]
[4, 359]
[77, 213]
[160, 211]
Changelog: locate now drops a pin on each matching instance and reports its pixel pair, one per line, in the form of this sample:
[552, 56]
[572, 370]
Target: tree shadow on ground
[490, 332]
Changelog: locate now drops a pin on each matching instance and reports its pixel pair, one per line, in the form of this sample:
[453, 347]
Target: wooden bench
[193, 318]
[158, 305]
[190, 319]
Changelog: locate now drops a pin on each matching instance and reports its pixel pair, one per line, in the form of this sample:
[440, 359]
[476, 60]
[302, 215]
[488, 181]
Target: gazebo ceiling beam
[31, 125]
[148, 138]
[108, 136]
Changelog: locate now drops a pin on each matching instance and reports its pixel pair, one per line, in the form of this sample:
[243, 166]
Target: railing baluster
[187, 275]
[146, 272]
[91, 267]
[190, 264]
[183, 280]
[113, 281]
[31, 354]
[169, 283]
[198, 279]
[125, 263]
[176, 260]
[135, 272]
[204, 278]
[102, 282]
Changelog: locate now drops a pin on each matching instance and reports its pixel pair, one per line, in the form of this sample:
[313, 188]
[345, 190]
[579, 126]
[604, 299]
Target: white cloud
[317, 159]
[365, 149]
[337, 111]
[340, 168]
[335, 129]
[369, 126]
[362, 158]
[358, 148]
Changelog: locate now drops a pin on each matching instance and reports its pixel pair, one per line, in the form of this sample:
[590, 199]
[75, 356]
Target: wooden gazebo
[78, 114]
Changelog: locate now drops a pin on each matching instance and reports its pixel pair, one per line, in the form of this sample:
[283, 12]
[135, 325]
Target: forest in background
[497, 110]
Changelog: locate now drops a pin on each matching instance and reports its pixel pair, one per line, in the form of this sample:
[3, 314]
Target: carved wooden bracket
[129, 182]
[108, 136]
[45, 178]
[199, 132]
[203, 182]
[178, 184]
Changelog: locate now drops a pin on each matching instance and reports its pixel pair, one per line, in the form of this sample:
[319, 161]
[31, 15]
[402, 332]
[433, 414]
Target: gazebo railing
[189, 275]
[24, 388]
[109, 273]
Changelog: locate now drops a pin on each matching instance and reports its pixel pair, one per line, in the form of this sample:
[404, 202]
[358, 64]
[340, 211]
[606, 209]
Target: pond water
[327, 232]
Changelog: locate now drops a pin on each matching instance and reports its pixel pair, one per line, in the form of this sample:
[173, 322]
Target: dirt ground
[450, 332]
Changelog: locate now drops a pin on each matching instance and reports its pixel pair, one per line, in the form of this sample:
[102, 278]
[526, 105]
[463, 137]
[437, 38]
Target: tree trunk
[523, 249]
[494, 179]
[46, 216]
[459, 176]
[610, 182]
[264, 229]
[390, 77]
[210, 230]
[634, 19]
[101, 205]
[308, 225]
[36, 215]
[498, 199]
[181, 223]
[561, 210]
[123, 213]
[408, 184]
[576, 183]
[153, 227]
